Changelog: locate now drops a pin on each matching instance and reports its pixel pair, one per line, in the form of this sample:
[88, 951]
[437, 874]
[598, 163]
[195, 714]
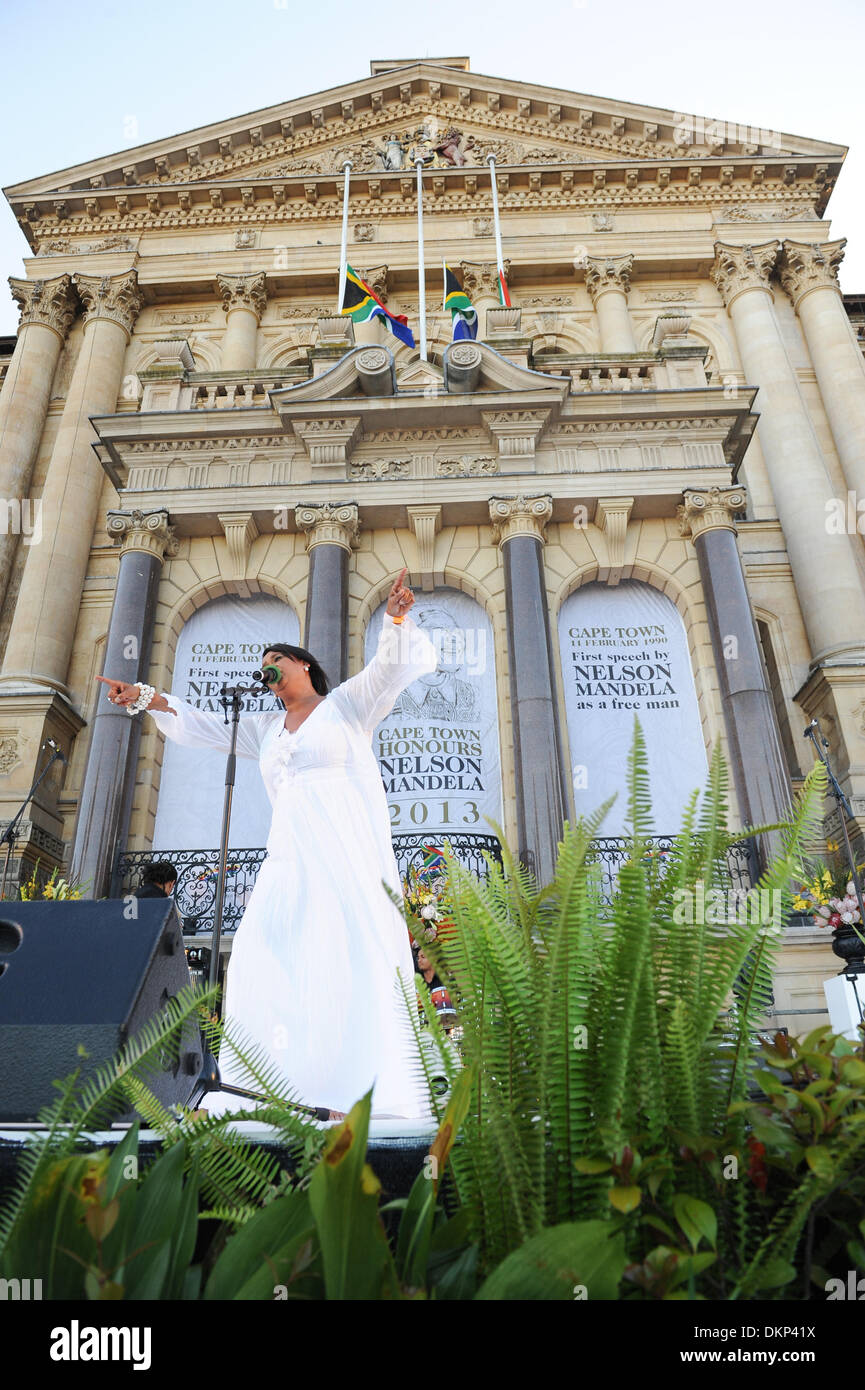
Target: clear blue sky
[76, 72]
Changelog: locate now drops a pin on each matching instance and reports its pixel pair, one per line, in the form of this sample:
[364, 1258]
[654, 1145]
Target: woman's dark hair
[319, 680]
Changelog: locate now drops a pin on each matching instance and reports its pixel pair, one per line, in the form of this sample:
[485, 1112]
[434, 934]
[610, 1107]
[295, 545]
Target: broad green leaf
[561, 1259]
[343, 1197]
[696, 1218]
[775, 1274]
[625, 1199]
[255, 1245]
[770, 1083]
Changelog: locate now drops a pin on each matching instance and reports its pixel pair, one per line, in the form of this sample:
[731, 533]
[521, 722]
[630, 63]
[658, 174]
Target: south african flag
[361, 305]
[464, 316]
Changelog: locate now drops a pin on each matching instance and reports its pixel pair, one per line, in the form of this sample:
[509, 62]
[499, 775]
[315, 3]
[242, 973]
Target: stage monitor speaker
[80, 974]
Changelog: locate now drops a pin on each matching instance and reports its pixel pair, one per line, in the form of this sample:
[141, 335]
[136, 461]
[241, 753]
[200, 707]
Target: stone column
[47, 310]
[105, 803]
[243, 299]
[826, 571]
[809, 274]
[518, 529]
[43, 628]
[481, 284]
[759, 769]
[608, 280]
[331, 534]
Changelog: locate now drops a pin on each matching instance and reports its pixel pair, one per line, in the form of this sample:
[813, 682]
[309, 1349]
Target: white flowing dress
[313, 972]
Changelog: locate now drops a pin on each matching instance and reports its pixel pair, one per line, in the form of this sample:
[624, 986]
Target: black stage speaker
[80, 973]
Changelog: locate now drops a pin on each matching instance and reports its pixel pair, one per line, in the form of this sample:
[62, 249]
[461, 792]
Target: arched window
[222, 643]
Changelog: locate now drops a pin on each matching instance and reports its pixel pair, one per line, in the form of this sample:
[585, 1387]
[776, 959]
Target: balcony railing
[195, 893]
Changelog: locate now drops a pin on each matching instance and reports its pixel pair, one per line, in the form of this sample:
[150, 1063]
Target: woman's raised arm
[404, 652]
[195, 728]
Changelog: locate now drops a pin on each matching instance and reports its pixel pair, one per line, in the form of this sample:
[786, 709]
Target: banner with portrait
[438, 750]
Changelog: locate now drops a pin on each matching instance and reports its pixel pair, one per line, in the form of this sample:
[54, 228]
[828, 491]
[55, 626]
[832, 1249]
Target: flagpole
[421, 275]
[500, 265]
[343, 247]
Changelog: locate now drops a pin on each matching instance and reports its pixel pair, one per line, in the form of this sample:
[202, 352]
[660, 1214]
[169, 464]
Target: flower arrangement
[54, 889]
[423, 889]
[828, 892]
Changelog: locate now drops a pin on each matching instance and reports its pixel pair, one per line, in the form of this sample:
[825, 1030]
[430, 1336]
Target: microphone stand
[210, 1079]
[814, 732]
[10, 834]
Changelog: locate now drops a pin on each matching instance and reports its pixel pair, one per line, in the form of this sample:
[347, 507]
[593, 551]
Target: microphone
[55, 749]
[271, 675]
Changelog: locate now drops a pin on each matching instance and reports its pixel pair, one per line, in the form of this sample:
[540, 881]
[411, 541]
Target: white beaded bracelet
[144, 698]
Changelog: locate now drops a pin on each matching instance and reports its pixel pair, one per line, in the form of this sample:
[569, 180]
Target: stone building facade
[676, 401]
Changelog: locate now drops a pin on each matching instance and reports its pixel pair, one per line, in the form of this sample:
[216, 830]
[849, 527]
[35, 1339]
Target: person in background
[426, 969]
[157, 881]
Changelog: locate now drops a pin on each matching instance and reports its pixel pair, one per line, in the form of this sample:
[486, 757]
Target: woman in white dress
[313, 972]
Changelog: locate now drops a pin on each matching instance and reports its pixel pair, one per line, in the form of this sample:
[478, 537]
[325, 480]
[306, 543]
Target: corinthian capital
[243, 292]
[147, 531]
[712, 509]
[740, 268]
[608, 273]
[806, 266]
[519, 516]
[50, 303]
[113, 297]
[330, 523]
[482, 277]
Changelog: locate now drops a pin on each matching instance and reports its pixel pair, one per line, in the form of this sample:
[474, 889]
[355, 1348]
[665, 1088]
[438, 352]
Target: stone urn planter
[849, 945]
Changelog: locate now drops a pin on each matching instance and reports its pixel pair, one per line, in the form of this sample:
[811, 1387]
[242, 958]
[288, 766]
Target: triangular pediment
[521, 123]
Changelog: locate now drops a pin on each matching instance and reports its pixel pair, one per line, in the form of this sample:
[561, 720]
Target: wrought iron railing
[195, 894]
[736, 871]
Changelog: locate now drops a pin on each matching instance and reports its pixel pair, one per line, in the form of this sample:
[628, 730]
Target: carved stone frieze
[373, 470]
[766, 212]
[51, 303]
[178, 316]
[466, 466]
[10, 751]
